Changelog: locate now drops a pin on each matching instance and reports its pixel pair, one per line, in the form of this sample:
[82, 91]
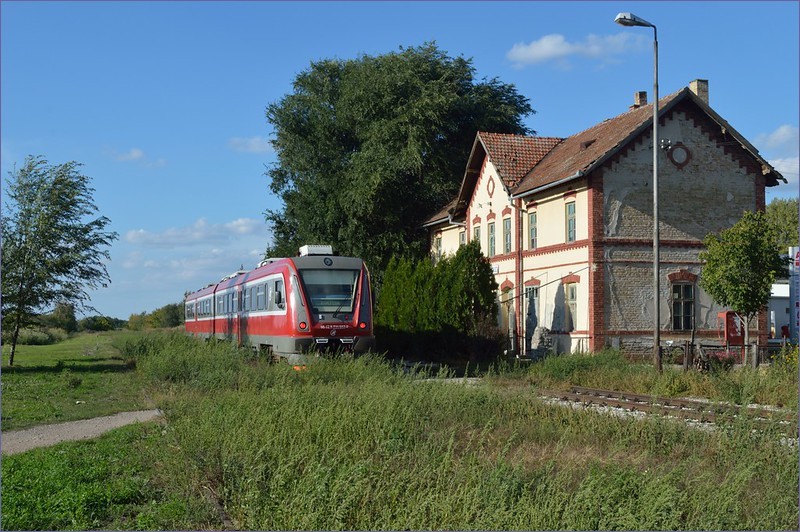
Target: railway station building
[567, 223]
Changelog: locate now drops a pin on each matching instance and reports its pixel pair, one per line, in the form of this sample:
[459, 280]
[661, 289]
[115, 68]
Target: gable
[581, 153]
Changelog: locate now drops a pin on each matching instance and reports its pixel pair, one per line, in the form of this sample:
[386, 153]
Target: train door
[237, 313]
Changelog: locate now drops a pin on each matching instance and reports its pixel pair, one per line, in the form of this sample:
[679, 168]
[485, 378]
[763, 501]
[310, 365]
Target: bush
[721, 360]
[39, 336]
[787, 355]
[442, 311]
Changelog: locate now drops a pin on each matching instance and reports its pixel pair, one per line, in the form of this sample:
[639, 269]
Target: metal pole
[656, 262]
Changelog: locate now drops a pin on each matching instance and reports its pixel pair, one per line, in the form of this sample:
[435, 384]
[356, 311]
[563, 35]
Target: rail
[687, 409]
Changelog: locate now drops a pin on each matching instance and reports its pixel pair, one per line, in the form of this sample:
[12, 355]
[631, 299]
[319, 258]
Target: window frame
[682, 303]
[507, 247]
[570, 306]
[492, 238]
[532, 230]
[570, 219]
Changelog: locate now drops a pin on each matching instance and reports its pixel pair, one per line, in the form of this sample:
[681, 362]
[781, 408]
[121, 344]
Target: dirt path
[18, 441]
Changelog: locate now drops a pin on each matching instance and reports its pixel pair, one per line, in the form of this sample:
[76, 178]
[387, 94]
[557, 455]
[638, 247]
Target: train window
[246, 296]
[331, 290]
[260, 296]
[279, 294]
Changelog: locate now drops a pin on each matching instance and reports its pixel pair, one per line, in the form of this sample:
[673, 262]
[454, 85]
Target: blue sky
[163, 102]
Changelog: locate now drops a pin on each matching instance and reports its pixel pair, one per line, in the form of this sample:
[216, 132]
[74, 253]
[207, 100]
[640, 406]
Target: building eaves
[581, 153]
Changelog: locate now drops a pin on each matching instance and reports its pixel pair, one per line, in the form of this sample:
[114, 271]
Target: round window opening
[679, 155]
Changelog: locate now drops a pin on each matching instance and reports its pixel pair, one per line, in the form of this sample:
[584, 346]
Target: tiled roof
[515, 155]
[582, 150]
[529, 163]
[441, 215]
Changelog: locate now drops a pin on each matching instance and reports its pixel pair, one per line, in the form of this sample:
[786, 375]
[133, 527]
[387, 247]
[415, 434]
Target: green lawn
[80, 378]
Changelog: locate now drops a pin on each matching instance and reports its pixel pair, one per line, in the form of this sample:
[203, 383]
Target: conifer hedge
[443, 312]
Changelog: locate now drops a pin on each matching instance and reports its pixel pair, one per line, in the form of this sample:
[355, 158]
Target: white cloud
[199, 233]
[790, 169]
[555, 47]
[250, 144]
[136, 155]
[783, 142]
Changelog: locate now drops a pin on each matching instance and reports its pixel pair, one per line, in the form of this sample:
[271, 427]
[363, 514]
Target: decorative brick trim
[506, 285]
[570, 195]
[580, 264]
[533, 281]
[715, 134]
[503, 257]
[490, 186]
[506, 211]
[491, 215]
[682, 276]
[476, 220]
[572, 278]
[649, 242]
[531, 205]
[665, 334]
[556, 248]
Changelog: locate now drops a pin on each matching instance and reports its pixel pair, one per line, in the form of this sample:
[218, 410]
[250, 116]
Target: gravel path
[18, 441]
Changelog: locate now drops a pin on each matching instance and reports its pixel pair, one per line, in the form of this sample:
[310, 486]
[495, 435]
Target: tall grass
[354, 444]
[775, 385]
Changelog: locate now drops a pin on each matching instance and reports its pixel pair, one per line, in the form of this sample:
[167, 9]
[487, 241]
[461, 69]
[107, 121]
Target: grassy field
[80, 378]
[358, 444]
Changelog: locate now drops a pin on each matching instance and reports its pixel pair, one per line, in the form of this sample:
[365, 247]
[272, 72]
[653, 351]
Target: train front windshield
[331, 290]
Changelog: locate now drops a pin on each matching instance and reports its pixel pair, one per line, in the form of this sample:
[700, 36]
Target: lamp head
[629, 19]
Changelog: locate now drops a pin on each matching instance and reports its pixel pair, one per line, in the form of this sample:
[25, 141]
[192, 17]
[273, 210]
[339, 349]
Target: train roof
[311, 257]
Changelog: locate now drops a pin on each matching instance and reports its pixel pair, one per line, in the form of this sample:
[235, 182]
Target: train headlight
[362, 325]
[303, 325]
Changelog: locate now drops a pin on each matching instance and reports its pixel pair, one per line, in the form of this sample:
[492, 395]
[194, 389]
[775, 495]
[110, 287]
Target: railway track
[686, 409]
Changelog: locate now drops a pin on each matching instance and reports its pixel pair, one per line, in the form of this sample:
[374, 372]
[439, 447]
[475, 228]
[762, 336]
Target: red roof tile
[515, 155]
[582, 150]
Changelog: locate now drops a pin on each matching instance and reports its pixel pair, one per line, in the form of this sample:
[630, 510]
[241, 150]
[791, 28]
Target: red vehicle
[289, 307]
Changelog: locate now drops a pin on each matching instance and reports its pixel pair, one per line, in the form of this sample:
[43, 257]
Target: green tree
[368, 148]
[170, 315]
[739, 266]
[97, 323]
[64, 317]
[783, 215]
[137, 322]
[54, 246]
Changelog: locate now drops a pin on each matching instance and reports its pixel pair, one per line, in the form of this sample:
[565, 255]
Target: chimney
[639, 99]
[700, 88]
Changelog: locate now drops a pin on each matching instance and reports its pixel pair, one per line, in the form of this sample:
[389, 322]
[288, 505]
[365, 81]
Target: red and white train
[289, 307]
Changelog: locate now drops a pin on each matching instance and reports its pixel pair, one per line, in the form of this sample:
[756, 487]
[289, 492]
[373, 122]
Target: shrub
[440, 311]
[786, 356]
[39, 336]
[721, 360]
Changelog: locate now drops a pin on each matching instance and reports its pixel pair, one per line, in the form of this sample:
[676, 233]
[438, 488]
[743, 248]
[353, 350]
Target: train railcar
[292, 308]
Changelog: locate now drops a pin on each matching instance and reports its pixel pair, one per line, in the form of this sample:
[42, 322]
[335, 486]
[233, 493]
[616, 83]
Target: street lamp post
[629, 19]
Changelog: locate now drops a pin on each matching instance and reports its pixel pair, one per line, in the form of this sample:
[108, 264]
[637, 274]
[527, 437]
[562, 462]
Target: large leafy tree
[782, 213]
[739, 266]
[54, 244]
[368, 148]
